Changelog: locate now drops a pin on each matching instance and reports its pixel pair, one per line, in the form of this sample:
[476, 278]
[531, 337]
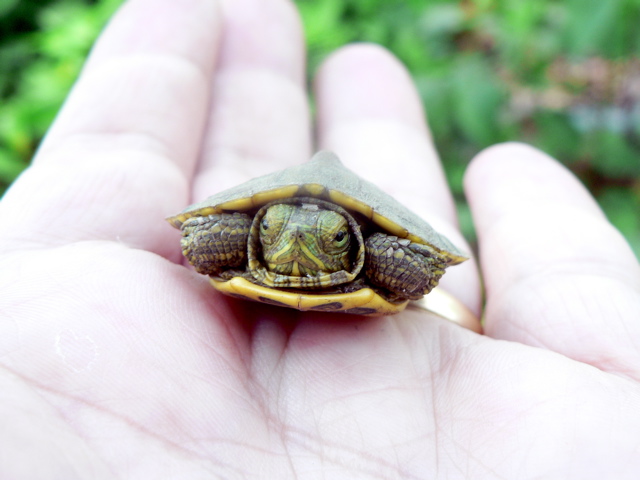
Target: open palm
[120, 362]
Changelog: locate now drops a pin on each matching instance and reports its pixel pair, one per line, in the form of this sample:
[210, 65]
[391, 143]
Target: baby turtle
[315, 237]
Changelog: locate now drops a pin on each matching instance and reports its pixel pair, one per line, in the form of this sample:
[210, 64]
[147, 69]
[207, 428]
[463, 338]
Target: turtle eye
[264, 225]
[333, 230]
[341, 238]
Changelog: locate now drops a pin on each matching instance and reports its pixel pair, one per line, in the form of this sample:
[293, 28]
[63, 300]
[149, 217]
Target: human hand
[119, 362]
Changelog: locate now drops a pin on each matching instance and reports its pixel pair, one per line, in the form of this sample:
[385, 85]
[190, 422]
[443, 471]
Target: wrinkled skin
[120, 362]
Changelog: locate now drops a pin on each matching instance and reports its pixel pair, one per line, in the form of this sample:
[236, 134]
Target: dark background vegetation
[561, 75]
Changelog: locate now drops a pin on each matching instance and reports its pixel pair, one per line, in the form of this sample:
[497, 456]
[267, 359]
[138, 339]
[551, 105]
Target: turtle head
[304, 240]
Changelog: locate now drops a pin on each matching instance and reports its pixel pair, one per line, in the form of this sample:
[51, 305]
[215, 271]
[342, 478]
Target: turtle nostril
[297, 235]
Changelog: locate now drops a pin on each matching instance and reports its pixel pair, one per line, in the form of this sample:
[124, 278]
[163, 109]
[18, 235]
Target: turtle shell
[326, 178]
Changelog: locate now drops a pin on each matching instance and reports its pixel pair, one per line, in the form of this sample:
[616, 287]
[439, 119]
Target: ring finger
[259, 119]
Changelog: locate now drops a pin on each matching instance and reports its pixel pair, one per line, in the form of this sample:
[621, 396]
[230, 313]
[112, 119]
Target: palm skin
[120, 362]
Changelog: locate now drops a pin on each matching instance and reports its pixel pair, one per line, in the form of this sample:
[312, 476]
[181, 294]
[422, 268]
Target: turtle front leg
[408, 269]
[215, 242]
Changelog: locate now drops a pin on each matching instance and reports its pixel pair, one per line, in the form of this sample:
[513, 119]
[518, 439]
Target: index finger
[120, 155]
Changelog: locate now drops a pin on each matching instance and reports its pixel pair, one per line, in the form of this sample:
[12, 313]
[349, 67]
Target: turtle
[315, 236]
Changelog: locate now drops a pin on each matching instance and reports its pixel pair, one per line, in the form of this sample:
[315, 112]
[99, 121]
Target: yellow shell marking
[389, 226]
[313, 190]
[350, 203]
[240, 205]
[262, 198]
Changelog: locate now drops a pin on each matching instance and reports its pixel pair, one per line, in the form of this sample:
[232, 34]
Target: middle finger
[259, 119]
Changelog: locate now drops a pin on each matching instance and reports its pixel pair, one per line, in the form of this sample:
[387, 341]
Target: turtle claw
[408, 269]
[216, 242]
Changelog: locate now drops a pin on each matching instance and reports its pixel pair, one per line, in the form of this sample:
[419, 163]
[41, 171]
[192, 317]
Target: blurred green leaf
[622, 210]
[10, 167]
[555, 134]
[7, 5]
[612, 156]
[42, 66]
[477, 97]
[442, 19]
[590, 23]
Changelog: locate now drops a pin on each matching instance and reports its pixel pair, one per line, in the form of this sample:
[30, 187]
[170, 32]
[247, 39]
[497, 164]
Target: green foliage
[622, 209]
[557, 74]
[39, 65]
[560, 74]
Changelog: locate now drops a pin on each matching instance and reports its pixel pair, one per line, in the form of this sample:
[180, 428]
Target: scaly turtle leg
[408, 269]
[216, 242]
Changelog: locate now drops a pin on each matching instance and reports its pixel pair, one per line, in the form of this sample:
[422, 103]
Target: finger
[259, 119]
[117, 159]
[557, 274]
[370, 114]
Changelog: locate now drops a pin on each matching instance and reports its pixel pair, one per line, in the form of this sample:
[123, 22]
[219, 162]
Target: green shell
[325, 177]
